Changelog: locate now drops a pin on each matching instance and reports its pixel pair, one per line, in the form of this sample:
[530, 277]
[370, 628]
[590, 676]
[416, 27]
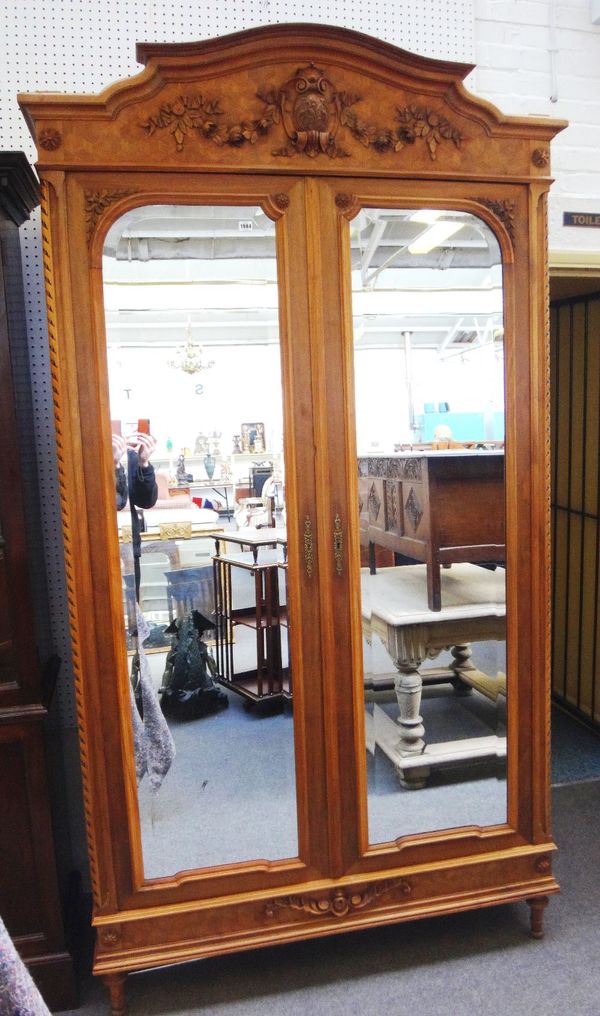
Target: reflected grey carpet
[481, 962]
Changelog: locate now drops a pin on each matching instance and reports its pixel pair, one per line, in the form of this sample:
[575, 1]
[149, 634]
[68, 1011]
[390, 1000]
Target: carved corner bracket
[503, 210]
[339, 903]
[96, 202]
[311, 112]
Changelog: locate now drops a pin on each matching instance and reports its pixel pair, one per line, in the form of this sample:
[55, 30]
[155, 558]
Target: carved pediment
[263, 97]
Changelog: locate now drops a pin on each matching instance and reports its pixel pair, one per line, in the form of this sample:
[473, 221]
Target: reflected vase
[209, 464]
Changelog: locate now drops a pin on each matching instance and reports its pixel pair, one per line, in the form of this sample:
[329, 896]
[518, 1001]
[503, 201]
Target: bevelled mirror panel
[427, 303]
[191, 308]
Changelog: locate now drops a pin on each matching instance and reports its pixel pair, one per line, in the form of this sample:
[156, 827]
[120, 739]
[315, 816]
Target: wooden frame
[217, 122]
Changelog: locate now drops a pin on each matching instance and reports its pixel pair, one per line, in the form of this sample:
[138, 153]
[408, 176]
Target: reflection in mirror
[429, 377]
[191, 306]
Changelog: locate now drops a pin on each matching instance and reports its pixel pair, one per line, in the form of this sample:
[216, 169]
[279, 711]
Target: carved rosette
[504, 210]
[340, 903]
[543, 864]
[110, 936]
[540, 157]
[50, 139]
[311, 111]
[344, 201]
[96, 202]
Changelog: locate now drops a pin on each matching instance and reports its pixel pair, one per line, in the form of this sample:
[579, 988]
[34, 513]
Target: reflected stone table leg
[409, 687]
[462, 654]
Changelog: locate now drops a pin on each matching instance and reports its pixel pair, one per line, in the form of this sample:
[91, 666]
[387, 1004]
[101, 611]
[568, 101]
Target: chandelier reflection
[190, 358]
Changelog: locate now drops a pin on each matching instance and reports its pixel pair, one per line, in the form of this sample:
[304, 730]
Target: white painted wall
[542, 57]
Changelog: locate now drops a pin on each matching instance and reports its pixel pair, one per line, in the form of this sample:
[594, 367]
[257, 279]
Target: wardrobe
[298, 171]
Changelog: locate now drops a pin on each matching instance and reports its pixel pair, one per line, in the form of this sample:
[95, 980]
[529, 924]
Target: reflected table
[440, 507]
[394, 607]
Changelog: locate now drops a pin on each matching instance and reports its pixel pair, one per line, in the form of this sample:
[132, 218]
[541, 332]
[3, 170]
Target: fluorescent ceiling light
[426, 215]
[434, 236]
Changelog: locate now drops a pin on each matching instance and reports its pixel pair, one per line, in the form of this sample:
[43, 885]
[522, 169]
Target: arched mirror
[427, 310]
[192, 330]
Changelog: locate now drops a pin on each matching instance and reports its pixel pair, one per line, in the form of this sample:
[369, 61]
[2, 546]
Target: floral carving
[282, 201]
[412, 469]
[543, 864]
[189, 112]
[311, 111]
[96, 202]
[340, 903]
[50, 139]
[504, 210]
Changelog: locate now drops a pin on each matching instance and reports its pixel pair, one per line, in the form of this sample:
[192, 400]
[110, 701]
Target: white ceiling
[170, 271]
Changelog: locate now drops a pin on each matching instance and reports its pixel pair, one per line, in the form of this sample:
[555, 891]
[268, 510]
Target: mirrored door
[428, 373]
[196, 405]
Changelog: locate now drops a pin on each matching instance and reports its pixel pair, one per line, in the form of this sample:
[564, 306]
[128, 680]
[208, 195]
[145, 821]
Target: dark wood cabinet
[29, 898]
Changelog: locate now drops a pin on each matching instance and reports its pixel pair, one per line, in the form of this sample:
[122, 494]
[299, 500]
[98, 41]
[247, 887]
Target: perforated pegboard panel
[84, 45]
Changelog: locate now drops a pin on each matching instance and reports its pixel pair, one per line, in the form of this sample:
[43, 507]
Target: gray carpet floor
[481, 962]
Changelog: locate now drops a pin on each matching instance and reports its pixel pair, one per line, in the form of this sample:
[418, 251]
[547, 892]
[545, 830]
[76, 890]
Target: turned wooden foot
[115, 984]
[537, 905]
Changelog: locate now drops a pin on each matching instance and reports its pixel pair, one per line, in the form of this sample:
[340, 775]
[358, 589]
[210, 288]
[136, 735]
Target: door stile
[338, 529]
[322, 267]
[305, 574]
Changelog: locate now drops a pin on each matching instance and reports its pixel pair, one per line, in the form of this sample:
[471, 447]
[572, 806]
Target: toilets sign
[587, 219]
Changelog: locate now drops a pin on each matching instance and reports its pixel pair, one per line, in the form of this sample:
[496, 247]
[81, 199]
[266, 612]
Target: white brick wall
[513, 43]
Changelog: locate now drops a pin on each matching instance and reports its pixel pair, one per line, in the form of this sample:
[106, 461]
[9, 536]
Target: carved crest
[310, 111]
